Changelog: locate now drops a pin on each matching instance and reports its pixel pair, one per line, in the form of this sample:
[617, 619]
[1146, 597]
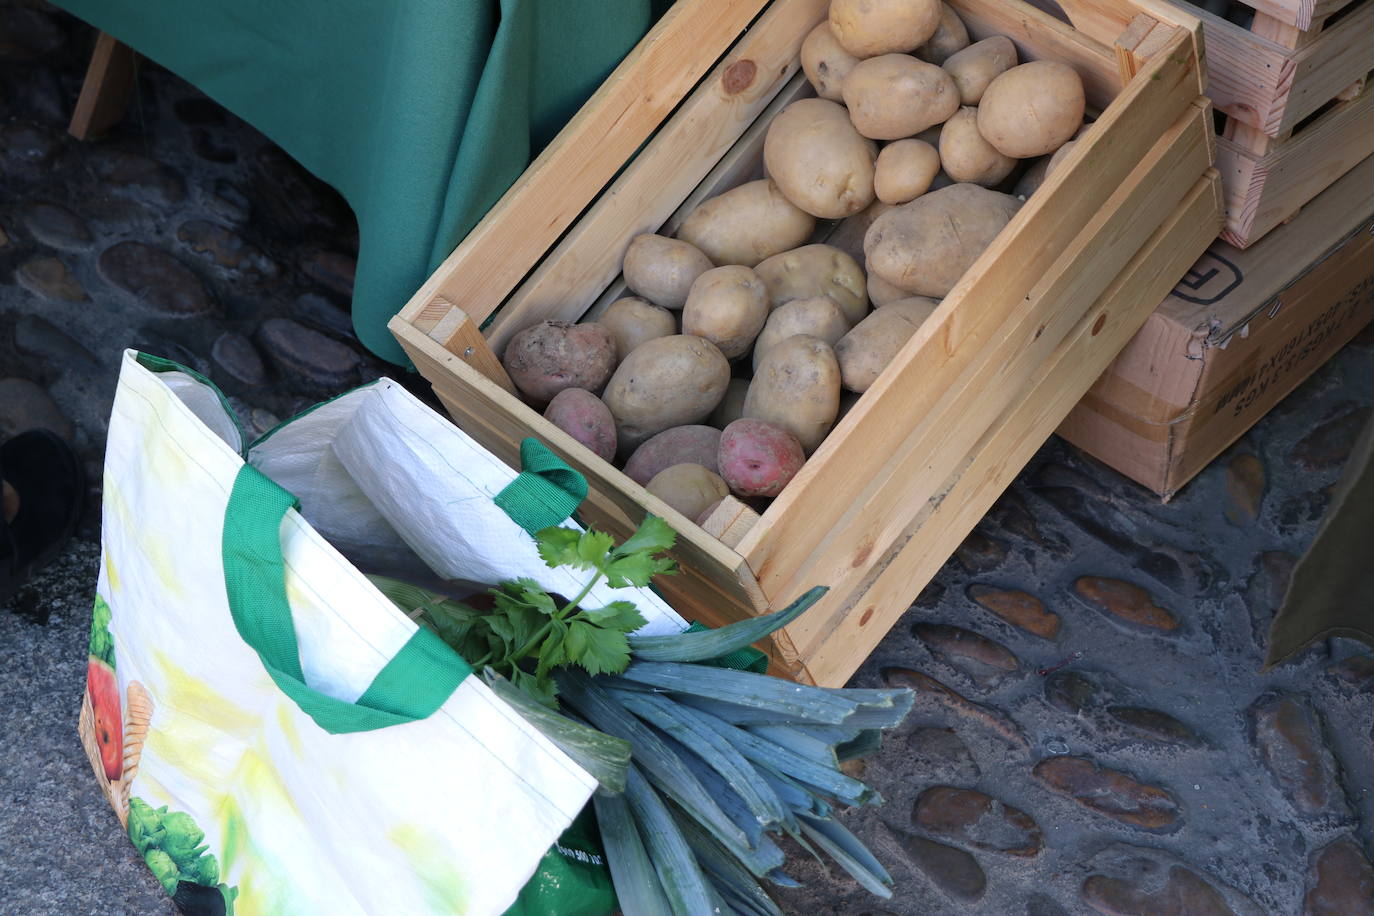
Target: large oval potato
[950, 36]
[895, 96]
[747, 223]
[688, 488]
[966, 156]
[817, 316]
[904, 171]
[690, 444]
[727, 306]
[758, 458]
[798, 388]
[825, 62]
[867, 350]
[633, 320]
[1032, 109]
[585, 417]
[665, 382]
[819, 161]
[976, 66]
[544, 359]
[867, 28]
[662, 270]
[816, 270]
[925, 246]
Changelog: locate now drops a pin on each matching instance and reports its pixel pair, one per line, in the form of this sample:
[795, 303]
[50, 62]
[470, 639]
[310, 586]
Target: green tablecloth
[420, 112]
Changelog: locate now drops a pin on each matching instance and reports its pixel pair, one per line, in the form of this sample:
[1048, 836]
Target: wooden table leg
[105, 93]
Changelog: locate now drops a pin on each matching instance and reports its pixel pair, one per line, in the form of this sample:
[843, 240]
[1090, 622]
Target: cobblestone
[971, 818]
[1341, 881]
[1110, 792]
[156, 279]
[1288, 737]
[1018, 608]
[1126, 602]
[50, 278]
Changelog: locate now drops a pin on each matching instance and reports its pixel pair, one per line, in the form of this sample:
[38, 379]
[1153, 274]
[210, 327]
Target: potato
[665, 382]
[1032, 178]
[633, 320]
[881, 292]
[825, 62]
[758, 458]
[747, 223]
[819, 161]
[727, 306]
[973, 68]
[662, 269]
[867, 28]
[582, 415]
[816, 270]
[896, 95]
[544, 359]
[731, 407]
[817, 316]
[1058, 157]
[950, 36]
[925, 246]
[690, 444]
[868, 349]
[966, 156]
[798, 388]
[1032, 109]
[905, 170]
[688, 488]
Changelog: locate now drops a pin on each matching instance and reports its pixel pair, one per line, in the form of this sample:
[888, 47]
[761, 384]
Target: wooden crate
[1290, 87]
[913, 466]
[1239, 332]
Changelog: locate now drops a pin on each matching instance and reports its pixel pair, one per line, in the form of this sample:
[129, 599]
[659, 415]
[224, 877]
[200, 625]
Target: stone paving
[1092, 733]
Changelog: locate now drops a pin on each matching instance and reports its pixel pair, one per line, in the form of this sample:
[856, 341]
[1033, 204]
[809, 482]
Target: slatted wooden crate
[1290, 84]
[912, 467]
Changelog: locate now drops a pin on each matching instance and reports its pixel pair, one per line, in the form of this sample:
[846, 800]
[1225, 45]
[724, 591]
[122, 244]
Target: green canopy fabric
[421, 113]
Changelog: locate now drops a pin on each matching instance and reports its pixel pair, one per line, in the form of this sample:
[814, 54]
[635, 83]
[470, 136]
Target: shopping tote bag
[275, 734]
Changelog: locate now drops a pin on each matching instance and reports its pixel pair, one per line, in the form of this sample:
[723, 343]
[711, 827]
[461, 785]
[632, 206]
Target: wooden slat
[702, 131]
[969, 395]
[661, 70]
[730, 521]
[1046, 398]
[105, 92]
[458, 334]
[1105, 20]
[1263, 191]
[808, 518]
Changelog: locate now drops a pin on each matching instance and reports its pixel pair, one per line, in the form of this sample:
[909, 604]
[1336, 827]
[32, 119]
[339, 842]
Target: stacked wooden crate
[1288, 79]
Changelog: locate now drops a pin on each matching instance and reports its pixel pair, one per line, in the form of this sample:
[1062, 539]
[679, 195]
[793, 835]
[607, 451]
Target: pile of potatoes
[743, 343]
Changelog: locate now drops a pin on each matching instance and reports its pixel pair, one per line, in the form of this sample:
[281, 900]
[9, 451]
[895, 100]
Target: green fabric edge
[160, 364]
[546, 492]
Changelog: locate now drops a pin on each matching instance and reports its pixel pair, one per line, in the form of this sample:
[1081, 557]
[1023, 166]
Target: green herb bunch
[529, 632]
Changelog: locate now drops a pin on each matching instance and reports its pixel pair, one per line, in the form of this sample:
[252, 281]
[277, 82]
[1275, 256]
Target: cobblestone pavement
[1092, 733]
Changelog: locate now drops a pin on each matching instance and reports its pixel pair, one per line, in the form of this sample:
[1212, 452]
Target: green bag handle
[410, 687]
[546, 492]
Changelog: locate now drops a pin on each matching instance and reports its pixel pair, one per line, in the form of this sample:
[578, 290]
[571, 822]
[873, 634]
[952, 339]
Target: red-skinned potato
[582, 415]
[691, 444]
[758, 458]
[553, 355]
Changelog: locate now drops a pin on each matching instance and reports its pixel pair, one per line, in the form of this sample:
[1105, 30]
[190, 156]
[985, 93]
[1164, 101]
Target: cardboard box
[1239, 332]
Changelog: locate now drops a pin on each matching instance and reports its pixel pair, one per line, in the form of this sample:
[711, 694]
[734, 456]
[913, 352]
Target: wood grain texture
[1264, 190]
[861, 618]
[457, 333]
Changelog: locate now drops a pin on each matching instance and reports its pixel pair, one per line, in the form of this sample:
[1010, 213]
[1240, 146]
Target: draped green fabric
[421, 113]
